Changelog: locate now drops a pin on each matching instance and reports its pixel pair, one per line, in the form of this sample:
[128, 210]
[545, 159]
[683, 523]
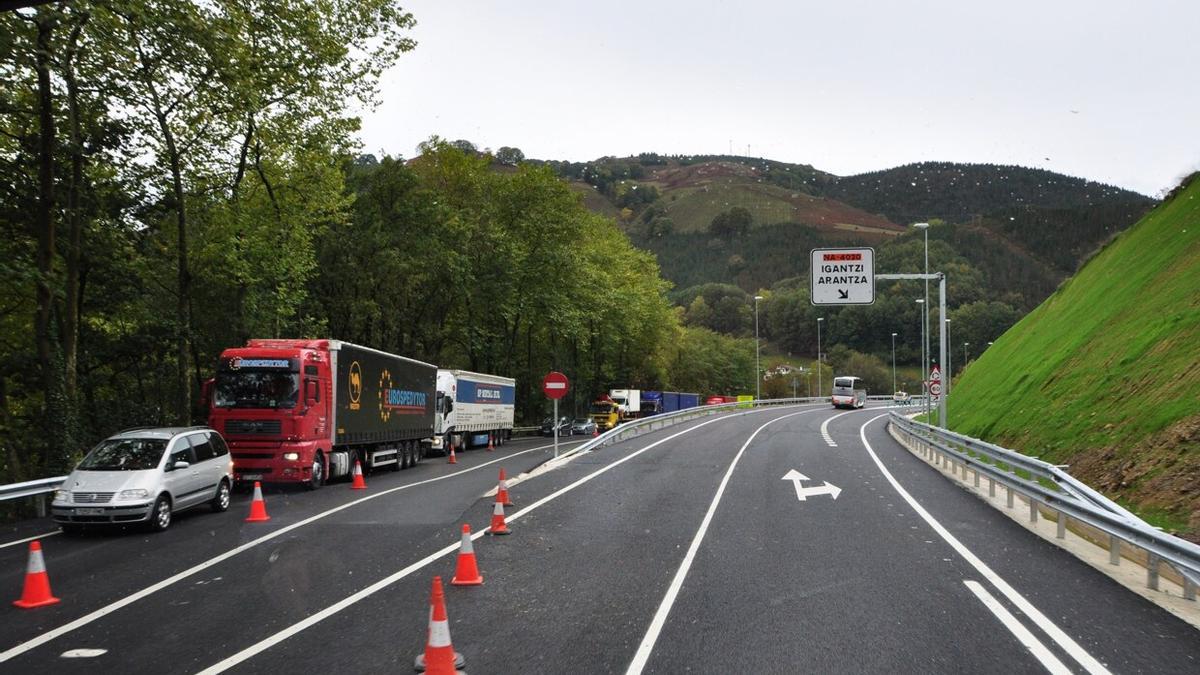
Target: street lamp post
[924, 227]
[965, 354]
[894, 363]
[924, 376]
[757, 372]
[949, 369]
[819, 388]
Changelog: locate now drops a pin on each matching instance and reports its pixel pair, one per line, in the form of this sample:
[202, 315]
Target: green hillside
[1105, 374]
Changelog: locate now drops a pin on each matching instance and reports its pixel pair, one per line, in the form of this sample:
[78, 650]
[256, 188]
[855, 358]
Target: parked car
[145, 476]
[584, 426]
[901, 397]
[564, 426]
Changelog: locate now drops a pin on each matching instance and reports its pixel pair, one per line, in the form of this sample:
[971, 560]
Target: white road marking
[825, 427]
[1034, 645]
[22, 541]
[154, 588]
[660, 617]
[83, 653]
[1089, 663]
[329, 611]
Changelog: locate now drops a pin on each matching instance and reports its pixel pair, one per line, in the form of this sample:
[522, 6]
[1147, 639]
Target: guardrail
[32, 488]
[1050, 486]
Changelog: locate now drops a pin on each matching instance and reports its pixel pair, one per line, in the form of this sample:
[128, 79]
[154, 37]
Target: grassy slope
[1105, 374]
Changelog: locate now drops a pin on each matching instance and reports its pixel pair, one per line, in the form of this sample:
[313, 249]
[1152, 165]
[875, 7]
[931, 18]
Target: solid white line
[1089, 663]
[329, 611]
[1034, 645]
[660, 617]
[149, 590]
[22, 541]
[825, 427]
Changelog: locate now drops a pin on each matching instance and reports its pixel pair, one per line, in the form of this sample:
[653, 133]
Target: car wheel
[160, 514]
[318, 472]
[220, 502]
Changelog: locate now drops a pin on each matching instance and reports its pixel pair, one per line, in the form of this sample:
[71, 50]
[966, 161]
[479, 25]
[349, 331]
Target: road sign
[935, 375]
[555, 385]
[842, 276]
[935, 389]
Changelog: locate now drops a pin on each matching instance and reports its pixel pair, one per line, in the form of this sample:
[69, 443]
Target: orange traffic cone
[37, 582]
[258, 508]
[595, 431]
[467, 572]
[359, 483]
[498, 524]
[439, 657]
[502, 491]
[491, 447]
[452, 460]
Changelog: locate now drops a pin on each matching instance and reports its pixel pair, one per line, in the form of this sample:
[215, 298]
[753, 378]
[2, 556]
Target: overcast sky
[1103, 89]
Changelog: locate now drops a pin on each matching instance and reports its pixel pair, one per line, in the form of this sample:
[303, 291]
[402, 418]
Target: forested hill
[948, 191]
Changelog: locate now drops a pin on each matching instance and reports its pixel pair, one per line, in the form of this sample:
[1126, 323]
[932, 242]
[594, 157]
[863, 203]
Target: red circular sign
[555, 385]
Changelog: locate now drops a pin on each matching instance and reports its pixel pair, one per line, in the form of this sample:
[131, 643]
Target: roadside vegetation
[1105, 375]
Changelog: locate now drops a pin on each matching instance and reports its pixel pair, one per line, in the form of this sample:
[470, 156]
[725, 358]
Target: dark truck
[302, 411]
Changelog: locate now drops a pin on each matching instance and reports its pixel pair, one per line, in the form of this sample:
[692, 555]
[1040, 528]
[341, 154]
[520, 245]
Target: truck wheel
[318, 472]
[417, 449]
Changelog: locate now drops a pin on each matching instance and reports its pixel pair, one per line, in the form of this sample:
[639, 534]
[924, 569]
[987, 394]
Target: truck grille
[92, 497]
[253, 455]
[262, 427]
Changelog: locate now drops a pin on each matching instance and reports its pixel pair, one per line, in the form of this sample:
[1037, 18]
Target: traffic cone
[452, 460]
[359, 483]
[502, 491]
[258, 508]
[595, 431]
[439, 657]
[37, 583]
[467, 572]
[491, 447]
[498, 525]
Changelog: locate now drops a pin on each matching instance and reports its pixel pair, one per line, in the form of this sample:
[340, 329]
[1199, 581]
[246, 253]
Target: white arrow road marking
[803, 493]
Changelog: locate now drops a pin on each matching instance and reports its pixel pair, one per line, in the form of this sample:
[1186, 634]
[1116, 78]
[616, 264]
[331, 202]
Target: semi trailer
[472, 408]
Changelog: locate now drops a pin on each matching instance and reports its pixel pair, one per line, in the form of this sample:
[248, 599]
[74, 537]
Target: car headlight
[291, 456]
[136, 493]
[62, 496]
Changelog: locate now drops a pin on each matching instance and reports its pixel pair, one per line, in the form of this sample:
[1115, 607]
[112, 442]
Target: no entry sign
[555, 385]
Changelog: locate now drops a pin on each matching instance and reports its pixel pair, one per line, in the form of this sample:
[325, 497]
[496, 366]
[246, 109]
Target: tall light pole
[924, 380]
[757, 373]
[894, 363]
[965, 354]
[819, 388]
[924, 227]
[949, 370]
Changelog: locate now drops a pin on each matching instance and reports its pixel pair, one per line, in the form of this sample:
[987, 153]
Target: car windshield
[125, 454]
[256, 389]
[582, 420]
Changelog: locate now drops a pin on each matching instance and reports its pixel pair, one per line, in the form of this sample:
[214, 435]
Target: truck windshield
[125, 454]
[256, 389]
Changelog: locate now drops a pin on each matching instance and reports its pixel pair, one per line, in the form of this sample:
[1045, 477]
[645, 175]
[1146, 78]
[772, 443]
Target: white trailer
[629, 402]
[472, 407]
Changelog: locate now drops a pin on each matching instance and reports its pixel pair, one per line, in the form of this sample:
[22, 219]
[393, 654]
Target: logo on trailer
[237, 363]
[354, 386]
[483, 395]
[393, 401]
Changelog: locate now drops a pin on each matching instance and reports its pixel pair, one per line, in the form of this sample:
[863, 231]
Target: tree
[510, 156]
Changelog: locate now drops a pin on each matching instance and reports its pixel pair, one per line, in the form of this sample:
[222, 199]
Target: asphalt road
[683, 550]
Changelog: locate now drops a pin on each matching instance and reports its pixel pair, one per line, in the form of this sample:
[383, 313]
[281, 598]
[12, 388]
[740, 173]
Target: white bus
[849, 392]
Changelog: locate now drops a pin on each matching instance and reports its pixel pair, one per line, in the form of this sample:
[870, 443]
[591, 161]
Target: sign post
[842, 276]
[555, 386]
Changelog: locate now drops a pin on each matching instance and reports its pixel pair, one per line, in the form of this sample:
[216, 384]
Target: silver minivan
[145, 475]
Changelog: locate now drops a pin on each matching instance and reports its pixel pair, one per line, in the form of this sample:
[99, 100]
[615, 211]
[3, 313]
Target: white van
[145, 475]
